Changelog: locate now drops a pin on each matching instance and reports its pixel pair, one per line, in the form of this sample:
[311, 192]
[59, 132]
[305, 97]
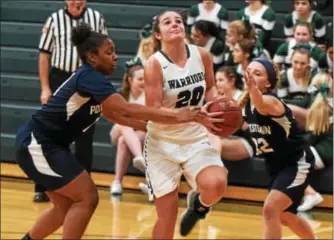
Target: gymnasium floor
[132, 217]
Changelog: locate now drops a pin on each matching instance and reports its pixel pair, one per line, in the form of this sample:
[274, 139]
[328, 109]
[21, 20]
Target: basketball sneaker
[194, 212]
[139, 163]
[144, 188]
[310, 201]
[40, 197]
[116, 188]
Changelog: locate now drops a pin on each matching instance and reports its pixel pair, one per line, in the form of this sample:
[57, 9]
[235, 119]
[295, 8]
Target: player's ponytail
[319, 113]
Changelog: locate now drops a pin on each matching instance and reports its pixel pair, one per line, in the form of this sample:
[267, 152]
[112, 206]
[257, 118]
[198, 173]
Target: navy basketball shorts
[45, 162]
[293, 180]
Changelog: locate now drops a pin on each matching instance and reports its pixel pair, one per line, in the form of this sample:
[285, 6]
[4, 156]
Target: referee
[58, 59]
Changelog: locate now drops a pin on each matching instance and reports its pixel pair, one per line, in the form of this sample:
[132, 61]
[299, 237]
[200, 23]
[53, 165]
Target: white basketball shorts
[166, 162]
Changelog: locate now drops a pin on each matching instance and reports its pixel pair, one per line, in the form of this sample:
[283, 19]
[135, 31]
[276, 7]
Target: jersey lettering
[262, 146]
[186, 98]
[95, 109]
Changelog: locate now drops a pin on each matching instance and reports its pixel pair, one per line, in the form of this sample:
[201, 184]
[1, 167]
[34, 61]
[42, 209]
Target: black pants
[83, 145]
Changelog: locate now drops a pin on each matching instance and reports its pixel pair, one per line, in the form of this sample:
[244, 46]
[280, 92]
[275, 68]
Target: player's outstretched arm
[115, 103]
[265, 104]
[126, 121]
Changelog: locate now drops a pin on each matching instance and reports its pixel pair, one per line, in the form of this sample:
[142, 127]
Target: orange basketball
[232, 115]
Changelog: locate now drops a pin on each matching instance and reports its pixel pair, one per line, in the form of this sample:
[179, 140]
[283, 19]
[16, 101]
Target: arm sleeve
[319, 28]
[95, 85]
[47, 38]
[193, 13]
[323, 65]
[317, 54]
[240, 14]
[281, 53]
[268, 26]
[223, 17]
[103, 26]
[217, 52]
[288, 25]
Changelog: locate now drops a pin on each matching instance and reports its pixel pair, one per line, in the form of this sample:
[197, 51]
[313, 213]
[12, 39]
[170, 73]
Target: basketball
[232, 115]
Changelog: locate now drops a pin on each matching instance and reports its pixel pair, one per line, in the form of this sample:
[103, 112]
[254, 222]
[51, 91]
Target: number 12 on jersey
[262, 146]
[187, 97]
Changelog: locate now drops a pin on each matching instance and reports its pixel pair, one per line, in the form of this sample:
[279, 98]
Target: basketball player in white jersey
[175, 76]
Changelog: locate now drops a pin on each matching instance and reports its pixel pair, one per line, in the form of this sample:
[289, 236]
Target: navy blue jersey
[277, 138]
[74, 107]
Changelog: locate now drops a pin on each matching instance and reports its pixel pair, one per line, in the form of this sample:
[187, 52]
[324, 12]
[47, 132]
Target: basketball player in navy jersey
[180, 75]
[42, 145]
[277, 139]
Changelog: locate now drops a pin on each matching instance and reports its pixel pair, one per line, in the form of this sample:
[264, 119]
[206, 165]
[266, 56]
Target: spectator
[204, 34]
[59, 55]
[208, 10]
[319, 124]
[129, 141]
[237, 146]
[242, 56]
[326, 62]
[145, 50]
[302, 37]
[236, 31]
[294, 82]
[261, 16]
[303, 11]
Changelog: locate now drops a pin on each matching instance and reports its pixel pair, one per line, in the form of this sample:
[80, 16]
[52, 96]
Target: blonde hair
[308, 73]
[140, 52]
[245, 97]
[126, 87]
[317, 119]
[243, 29]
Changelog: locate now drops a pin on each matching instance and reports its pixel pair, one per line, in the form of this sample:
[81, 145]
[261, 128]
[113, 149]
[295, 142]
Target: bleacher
[21, 25]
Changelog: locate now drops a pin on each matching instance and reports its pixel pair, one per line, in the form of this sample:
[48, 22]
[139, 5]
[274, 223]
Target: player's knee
[91, 199]
[62, 207]
[215, 185]
[121, 141]
[270, 211]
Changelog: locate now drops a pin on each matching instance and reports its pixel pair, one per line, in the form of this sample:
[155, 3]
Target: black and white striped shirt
[56, 37]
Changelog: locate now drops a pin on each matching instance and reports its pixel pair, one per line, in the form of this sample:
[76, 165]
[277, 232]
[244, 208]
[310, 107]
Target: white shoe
[144, 188]
[310, 201]
[139, 163]
[116, 188]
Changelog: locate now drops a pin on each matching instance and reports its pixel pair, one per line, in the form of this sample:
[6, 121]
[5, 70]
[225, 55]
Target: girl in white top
[129, 141]
[294, 82]
[180, 75]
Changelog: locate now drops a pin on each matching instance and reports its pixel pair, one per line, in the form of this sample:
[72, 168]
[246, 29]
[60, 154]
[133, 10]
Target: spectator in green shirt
[303, 11]
[261, 16]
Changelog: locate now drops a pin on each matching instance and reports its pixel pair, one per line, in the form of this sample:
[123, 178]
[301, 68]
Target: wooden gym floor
[132, 216]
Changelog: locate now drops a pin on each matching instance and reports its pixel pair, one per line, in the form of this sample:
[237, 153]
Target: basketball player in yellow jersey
[180, 75]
